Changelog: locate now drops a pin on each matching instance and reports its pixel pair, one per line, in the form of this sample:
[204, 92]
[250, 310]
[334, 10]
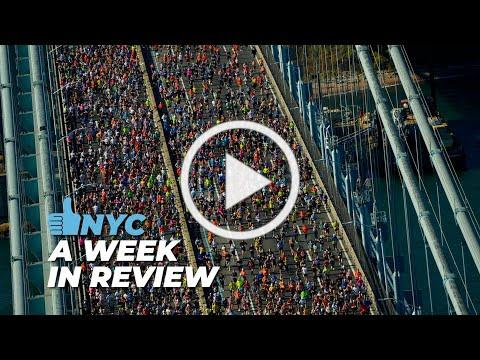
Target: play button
[241, 181]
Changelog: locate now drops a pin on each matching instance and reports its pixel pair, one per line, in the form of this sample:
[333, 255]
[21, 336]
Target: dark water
[457, 97]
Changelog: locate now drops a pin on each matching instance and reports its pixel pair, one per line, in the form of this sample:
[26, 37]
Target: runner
[238, 88]
[116, 163]
[296, 269]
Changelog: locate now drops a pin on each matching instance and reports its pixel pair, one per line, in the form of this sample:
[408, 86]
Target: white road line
[202, 230]
[308, 254]
[234, 248]
[209, 249]
[228, 226]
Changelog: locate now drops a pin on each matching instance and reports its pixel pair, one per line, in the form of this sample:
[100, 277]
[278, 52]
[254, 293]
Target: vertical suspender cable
[453, 196]
[464, 272]
[444, 239]
[429, 200]
[387, 168]
[409, 179]
[409, 250]
[428, 274]
[448, 161]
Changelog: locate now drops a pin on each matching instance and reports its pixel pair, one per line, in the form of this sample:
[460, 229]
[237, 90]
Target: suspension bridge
[379, 147]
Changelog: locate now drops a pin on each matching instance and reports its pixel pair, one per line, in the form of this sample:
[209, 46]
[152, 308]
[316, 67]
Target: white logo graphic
[241, 181]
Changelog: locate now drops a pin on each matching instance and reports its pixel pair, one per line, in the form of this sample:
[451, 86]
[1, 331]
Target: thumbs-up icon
[66, 223]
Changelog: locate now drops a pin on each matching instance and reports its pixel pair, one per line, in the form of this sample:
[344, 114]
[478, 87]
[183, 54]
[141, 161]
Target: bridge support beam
[363, 227]
[458, 206]
[346, 180]
[312, 116]
[321, 137]
[382, 255]
[379, 256]
[424, 216]
[300, 98]
[335, 165]
[351, 188]
[13, 193]
[291, 76]
[41, 135]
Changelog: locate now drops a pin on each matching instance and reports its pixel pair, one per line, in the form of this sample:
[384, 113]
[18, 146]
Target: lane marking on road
[234, 248]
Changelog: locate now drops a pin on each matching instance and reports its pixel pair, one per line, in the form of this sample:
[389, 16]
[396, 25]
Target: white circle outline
[294, 186]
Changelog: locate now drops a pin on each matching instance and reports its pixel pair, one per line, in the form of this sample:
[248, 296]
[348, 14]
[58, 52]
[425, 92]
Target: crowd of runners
[300, 268]
[117, 167]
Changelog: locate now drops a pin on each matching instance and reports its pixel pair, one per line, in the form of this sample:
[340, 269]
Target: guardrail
[58, 104]
[353, 241]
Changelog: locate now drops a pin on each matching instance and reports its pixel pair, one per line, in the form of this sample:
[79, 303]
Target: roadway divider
[331, 208]
[171, 174]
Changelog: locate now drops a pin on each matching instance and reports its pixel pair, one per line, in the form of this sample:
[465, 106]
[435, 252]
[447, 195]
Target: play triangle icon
[241, 181]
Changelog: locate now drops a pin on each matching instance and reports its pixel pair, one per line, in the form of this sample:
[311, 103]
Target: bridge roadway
[254, 303]
[81, 190]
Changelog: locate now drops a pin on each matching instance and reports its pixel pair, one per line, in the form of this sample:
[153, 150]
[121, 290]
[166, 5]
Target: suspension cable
[448, 160]
[409, 251]
[425, 246]
[423, 187]
[358, 149]
[388, 184]
[464, 270]
[442, 234]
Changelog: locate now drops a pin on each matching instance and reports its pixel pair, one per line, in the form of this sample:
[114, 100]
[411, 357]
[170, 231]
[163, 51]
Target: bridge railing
[57, 100]
[384, 306]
